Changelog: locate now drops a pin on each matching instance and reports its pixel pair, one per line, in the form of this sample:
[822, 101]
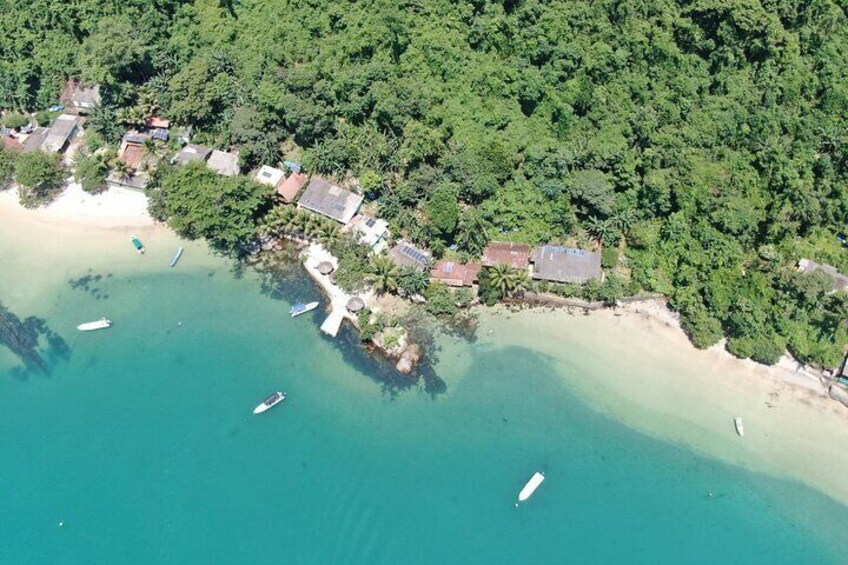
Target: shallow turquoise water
[142, 441]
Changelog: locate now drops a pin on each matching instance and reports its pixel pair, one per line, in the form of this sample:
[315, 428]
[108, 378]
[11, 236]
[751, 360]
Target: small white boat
[91, 326]
[740, 429]
[299, 309]
[530, 487]
[177, 256]
[270, 402]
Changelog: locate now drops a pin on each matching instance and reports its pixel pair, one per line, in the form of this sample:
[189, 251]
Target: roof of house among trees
[289, 188]
[59, 133]
[191, 152]
[840, 281]
[404, 254]
[452, 273]
[516, 255]
[224, 163]
[565, 264]
[330, 200]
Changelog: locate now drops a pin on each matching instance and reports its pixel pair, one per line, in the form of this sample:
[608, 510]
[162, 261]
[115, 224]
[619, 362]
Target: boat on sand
[96, 325]
[270, 402]
[177, 256]
[137, 244]
[530, 487]
[740, 429]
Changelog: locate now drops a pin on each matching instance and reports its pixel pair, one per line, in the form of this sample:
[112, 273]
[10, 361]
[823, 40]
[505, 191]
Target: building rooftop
[452, 273]
[371, 231]
[565, 264]
[840, 281]
[59, 133]
[223, 163]
[86, 97]
[10, 142]
[157, 122]
[34, 140]
[330, 200]
[289, 188]
[269, 176]
[404, 254]
[516, 255]
[191, 152]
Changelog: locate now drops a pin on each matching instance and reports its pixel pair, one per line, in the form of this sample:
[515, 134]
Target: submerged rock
[409, 358]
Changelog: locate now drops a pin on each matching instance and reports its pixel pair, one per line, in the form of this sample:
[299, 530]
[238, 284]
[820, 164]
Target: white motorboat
[299, 309]
[530, 487]
[91, 326]
[740, 429]
[270, 402]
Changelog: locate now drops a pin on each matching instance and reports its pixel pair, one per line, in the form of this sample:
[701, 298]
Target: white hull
[530, 487]
[740, 429]
[91, 326]
[266, 406]
[307, 308]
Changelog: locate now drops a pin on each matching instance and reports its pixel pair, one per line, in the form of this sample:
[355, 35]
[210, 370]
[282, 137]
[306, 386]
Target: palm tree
[624, 220]
[383, 274]
[312, 227]
[122, 170]
[472, 235]
[508, 280]
[600, 229]
[329, 233]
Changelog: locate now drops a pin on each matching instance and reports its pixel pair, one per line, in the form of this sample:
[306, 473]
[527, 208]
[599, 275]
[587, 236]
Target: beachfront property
[269, 176]
[452, 273]
[224, 163]
[372, 232]
[840, 281]
[133, 154]
[60, 133]
[82, 99]
[565, 264]
[330, 200]
[404, 254]
[288, 189]
[190, 153]
[516, 255]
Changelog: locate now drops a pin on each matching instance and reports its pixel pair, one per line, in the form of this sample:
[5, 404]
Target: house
[191, 152]
[132, 149]
[60, 133]
[269, 176]
[516, 255]
[83, 99]
[155, 122]
[12, 144]
[34, 140]
[565, 264]
[404, 254]
[289, 188]
[329, 200]
[840, 281]
[372, 232]
[452, 273]
[223, 163]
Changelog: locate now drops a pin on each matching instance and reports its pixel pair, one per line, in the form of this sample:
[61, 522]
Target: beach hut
[355, 304]
[325, 268]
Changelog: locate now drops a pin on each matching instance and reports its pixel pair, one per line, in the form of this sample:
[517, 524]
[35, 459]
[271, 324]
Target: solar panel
[370, 222]
[338, 206]
[448, 267]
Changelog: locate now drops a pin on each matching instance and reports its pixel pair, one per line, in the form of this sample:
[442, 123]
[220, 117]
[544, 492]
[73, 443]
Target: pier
[313, 256]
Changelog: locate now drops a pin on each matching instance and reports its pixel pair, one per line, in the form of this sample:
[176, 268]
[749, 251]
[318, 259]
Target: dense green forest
[706, 140]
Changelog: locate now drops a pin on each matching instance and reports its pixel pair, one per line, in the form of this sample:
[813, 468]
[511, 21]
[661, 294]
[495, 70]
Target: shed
[289, 188]
[452, 273]
[329, 200]
[516, 255]
[269, 176]
[840, 281]
[223, 163]
[60, 133]
[191, 152]
[565, 264]
[404, 254]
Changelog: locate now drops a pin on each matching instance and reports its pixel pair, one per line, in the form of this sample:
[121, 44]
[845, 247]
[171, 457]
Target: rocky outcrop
[409, 358]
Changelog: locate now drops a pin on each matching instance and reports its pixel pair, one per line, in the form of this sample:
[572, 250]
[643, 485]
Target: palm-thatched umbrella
[325, 268]
[355, 304]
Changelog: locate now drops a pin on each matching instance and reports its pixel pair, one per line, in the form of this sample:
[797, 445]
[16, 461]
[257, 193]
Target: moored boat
[740, 429]
[299, 309]
[137, 244]
[530, 487]
[96, 325]
[270, 402]
[177, 256]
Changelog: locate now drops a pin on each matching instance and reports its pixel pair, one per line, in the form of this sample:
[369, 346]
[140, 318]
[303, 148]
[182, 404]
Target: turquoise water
[143, 443]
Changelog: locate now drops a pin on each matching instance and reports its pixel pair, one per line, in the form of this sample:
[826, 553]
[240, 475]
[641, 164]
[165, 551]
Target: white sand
[640, 368]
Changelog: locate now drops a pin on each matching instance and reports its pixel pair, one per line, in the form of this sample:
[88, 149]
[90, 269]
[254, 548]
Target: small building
[84, 99]
[452, 273]
[840, 281]
[372, 232]
[60, 133]
[404, 254]
[516, 255]
[34, 140]
[224, 163]
[565, 264]
[269, 176]
[191, 152]
[330, 200]
[12, 144]
[156, 122]
[289, 188]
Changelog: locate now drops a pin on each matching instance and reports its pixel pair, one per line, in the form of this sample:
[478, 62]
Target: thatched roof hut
[325, 268]
[355, 304]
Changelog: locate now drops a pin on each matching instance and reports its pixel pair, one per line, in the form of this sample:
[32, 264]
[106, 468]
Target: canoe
[530, 487]
[740, 429]
[96, 325]
[177, 256]
[137, 244]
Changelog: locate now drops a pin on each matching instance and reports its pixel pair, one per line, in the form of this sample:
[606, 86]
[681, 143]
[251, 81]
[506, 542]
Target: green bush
[39, 176]
[440, 300]
[609, 257]
[15, 120]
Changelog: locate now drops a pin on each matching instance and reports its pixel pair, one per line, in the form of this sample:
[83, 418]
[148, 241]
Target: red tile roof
[516, 255]
[157, 122]
[289, 188]
[455, 274]
[12, 143]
